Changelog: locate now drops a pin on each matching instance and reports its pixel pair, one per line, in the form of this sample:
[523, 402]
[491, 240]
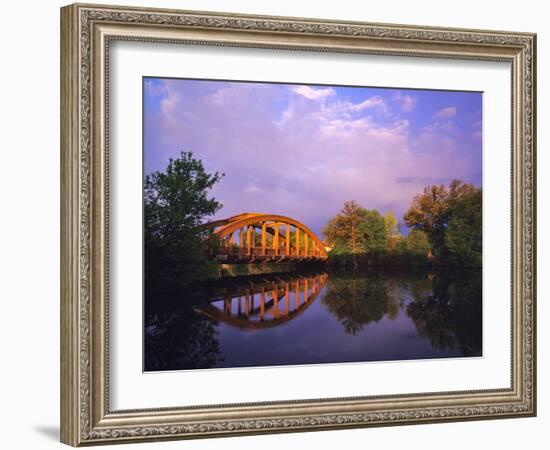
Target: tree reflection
[176, 337]
[356, 302]
[450, 315]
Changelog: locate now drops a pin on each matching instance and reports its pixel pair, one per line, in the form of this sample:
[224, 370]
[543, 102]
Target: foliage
[464, 237]
[175, 205]
[341, 232]
[356, 230]
[451, 218]
[392, 226]
[428, 213]
[393, 231]
[373, 232]
[417, 242]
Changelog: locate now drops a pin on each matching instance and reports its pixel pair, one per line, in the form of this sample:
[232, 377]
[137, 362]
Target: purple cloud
[302, 151]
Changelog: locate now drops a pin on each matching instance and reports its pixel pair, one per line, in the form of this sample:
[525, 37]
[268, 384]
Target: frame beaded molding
[77, 388]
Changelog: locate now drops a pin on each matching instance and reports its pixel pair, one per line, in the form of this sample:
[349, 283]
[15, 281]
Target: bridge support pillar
[264, 226]
[248, 236]
[276, 239]
[275, 295]
[287, 239]
[262, 304]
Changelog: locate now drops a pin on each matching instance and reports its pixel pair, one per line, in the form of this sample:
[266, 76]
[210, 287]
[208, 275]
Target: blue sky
[303, 150]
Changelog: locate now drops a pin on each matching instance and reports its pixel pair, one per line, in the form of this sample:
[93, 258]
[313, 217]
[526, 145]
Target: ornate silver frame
[86, 31]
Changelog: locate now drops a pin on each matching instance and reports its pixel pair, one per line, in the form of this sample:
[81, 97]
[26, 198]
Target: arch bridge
[256, 237]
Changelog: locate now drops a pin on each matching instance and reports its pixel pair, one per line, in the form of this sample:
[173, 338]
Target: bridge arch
[257, 236]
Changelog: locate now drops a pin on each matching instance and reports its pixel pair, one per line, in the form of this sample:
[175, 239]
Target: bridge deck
[242, 255]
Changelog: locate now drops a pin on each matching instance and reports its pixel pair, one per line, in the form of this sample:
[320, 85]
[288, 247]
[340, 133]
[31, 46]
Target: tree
[428, 213]
[175, 205]
[373, 232]
[342, 231]
[433, 211]
[417, 242]
[392, 227]
[392, 231]
[356, 230]
[464, 233]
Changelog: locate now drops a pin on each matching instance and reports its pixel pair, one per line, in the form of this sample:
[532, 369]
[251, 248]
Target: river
[314, 318]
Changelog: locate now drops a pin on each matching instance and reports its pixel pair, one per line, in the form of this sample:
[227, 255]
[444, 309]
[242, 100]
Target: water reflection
[357, 302]
[307, 318]
[449, 314]
[265, 302]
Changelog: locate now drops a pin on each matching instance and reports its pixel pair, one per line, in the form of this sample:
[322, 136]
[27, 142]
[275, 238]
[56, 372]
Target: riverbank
[237, 270]
[373, 261]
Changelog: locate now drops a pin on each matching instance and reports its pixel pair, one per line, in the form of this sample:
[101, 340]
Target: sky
[304, 150]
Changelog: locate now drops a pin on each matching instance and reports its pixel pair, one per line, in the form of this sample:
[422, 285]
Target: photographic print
[301, 224]
[294, 202]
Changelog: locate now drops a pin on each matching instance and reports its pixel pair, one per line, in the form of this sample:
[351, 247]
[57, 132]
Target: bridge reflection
[265, 302]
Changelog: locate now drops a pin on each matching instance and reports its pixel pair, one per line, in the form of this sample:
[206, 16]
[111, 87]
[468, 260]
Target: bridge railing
[270, 252]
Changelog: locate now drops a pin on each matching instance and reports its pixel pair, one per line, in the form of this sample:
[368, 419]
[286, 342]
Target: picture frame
[87, 32]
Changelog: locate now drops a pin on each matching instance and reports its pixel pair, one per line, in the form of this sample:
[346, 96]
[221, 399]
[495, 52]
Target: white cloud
[446, 113]
[407, 103]
[251, 187]
[370, 103]
[313, 94]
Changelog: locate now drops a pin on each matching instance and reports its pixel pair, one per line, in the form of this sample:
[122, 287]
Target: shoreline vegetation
[443, 230]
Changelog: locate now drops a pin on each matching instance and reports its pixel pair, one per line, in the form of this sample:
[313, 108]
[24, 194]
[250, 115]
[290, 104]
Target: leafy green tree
[356, 230]
[451, 218]
[417, 242]
[175, 205]
[392, 226]
[392, 231]
[373, 232]
[342, 231]
[464, 233]
[428, 213]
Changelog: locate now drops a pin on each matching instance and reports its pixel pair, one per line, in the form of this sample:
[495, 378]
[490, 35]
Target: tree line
[444, 228]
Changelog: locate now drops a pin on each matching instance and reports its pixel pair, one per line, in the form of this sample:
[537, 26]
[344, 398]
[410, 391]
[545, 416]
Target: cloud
[286, 154]
[251, 187]
[446, 113]
[406, 102]
[370, 103]
[313, 94]
[344, 108]
[476, 135]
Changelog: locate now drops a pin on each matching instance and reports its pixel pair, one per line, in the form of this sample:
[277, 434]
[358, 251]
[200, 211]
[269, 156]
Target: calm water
[308, 318]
